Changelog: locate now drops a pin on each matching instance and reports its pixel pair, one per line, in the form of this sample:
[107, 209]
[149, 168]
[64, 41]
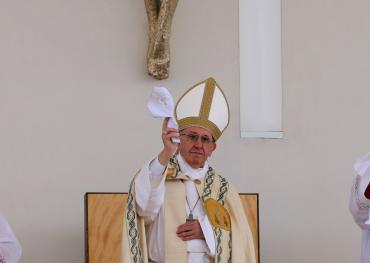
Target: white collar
[190, 171]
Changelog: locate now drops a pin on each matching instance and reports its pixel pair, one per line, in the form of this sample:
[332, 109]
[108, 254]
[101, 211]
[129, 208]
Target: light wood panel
[104, 216]
[103, 225]
[250, 204]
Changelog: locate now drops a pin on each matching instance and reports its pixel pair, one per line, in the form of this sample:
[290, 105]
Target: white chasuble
[162, 204]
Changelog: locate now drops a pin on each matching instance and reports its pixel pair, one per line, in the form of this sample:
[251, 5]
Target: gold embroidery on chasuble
[217, 214]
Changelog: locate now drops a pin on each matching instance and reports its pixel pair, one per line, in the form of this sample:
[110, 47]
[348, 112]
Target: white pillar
[260, 68]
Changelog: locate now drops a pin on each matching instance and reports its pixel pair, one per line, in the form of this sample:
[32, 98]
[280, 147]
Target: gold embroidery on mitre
[217, 214]
[209, 90]
[196, 121]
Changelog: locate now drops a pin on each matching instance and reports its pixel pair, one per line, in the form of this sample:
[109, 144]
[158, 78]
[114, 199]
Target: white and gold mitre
[203, 105]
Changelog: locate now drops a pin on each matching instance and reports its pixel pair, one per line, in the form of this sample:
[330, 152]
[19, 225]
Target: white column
[260, 68]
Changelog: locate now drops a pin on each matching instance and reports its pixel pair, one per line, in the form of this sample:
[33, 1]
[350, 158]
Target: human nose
[199, 142]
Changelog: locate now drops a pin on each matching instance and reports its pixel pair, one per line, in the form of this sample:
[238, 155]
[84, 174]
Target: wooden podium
[103, 225]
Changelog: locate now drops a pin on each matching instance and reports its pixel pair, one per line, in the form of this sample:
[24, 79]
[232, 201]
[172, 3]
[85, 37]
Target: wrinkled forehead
[198, 130]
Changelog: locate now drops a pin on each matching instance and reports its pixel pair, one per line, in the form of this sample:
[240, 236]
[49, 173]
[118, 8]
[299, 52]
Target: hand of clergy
[169, 148]
[190, 230]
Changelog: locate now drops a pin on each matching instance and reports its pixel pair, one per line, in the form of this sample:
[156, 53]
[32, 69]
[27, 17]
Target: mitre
[203, 105]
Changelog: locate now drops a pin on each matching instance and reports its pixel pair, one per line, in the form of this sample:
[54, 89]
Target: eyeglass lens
[194, 137]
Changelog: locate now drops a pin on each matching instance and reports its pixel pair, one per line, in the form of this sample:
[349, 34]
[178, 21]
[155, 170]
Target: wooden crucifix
[160, 14]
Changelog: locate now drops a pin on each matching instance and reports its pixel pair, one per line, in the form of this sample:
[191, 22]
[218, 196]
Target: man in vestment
[360, 203]
[10, 249]
[179, 210]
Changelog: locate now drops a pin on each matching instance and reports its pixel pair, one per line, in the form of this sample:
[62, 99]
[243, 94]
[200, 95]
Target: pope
[179, 208]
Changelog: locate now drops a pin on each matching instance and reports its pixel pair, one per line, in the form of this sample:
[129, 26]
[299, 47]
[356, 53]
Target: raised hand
[169, 148]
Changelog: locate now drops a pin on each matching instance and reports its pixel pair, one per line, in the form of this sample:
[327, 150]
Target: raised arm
[149, 183]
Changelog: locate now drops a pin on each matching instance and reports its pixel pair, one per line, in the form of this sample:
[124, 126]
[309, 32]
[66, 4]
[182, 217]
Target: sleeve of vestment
[10, 249]
[150, 189]
[359, 204]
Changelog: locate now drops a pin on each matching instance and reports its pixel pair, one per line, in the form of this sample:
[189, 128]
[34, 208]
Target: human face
[196, 152]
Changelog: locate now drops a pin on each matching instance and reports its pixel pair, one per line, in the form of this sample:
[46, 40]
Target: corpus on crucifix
[160, 14]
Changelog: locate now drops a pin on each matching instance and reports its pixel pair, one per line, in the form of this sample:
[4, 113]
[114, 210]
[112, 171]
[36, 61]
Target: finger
[170, 135]
[191, 223]
[165, 123]
[172, 132]
[180, 231]
[168, 130]
[185, 234]
[184, 228]
[190, 236]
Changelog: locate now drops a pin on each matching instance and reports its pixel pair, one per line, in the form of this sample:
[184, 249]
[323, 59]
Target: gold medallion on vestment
[217, 214]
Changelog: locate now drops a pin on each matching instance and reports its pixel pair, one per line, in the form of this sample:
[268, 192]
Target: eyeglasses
[194, 137]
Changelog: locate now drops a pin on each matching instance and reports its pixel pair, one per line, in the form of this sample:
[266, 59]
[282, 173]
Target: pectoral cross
[190, 217]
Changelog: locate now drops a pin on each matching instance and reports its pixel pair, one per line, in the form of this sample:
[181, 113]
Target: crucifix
[160, 14]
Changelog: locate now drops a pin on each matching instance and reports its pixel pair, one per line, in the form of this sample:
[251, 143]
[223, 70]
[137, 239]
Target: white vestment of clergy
[152, 191]
[10, 249]
[360, 205]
